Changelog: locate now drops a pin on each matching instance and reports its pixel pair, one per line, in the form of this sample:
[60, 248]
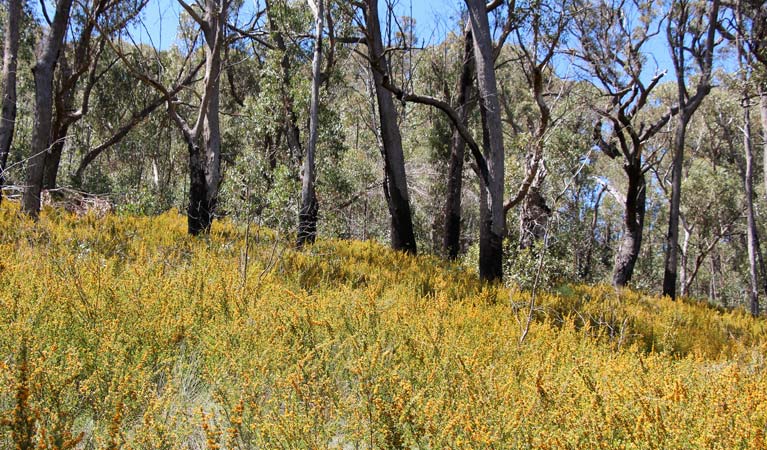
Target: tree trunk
[395, 188]
[753, 237]
[64, 103]
[8, 87]
[672, 238]
[684, 258]
[211, 133]
[307, 216]
[533, 218]
[763, 114]
[199, 217]
[492, 214]
[205, 159]
[587, 267]
[47, 54]
[716, 272]
[53, 159]
[633, 224]
[452, 237]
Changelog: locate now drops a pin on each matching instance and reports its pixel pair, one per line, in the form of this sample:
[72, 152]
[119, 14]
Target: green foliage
[544, 268]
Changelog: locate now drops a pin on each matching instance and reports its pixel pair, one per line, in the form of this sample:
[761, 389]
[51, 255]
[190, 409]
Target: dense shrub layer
[124, 332]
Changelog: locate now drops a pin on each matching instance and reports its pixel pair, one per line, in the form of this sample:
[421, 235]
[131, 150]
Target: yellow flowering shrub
[124, 332]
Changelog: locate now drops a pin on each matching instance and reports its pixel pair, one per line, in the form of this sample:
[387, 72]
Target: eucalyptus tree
[691, 34]
[491, 209]
[201, 131]
[46, 60]
[610, 50]
[307, 219]
[465, 104]
[8, 84]
[748, 32]
[539, 35]
[750, 25]
[754, 249]
[205, 162]
[492, 217]
[395, 183]
[451, 239]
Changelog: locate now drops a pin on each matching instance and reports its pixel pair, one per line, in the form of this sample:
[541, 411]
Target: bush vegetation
[125, 332]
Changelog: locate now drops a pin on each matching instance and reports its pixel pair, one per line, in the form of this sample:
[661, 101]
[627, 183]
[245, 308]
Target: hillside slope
[123, 332]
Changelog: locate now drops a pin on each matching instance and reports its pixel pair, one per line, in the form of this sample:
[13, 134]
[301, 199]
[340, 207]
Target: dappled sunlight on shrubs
[125, 332]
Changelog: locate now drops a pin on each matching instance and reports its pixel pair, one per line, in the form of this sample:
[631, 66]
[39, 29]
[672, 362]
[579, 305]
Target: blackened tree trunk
[199, 214]
[47, 55]
[452, 237]
[492, 217]
[633, 225]
[534, 217]
[307, 216]
[395, 186]
[8, 87]
[204, 138]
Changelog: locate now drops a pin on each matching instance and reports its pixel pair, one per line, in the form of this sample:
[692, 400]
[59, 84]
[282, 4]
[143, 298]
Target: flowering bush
[124, 332]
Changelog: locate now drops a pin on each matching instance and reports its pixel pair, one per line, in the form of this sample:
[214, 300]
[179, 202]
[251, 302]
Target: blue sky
[434, 19]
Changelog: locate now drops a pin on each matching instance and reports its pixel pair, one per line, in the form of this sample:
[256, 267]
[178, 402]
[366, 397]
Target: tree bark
[307, 216]
[199, 214]
[64, 103]
[753, 237]
[47, 55]
[633, 225]
[763, 114]
[702, 52]
[215, 16]
[8, 88]
[684, 257]
[587, 267]
[492, 220]
[672, 239]
[533, 218]
[452, 237]
[395, 186]
[205, 156]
